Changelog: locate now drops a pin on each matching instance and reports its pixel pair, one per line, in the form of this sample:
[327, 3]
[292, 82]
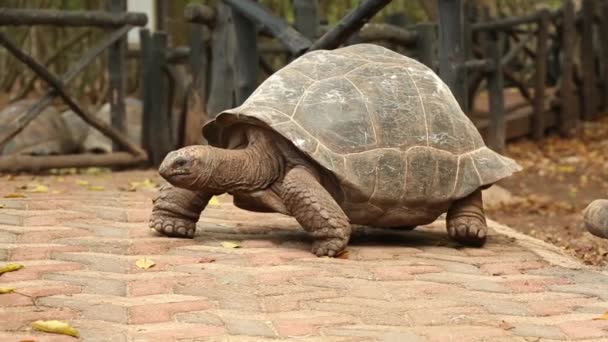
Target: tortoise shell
[386, 125]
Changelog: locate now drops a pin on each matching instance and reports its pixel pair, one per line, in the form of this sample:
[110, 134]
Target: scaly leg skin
[176, 211]
[317, 212]
[466, 221]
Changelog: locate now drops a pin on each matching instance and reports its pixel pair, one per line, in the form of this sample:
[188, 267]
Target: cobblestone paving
[79, 244]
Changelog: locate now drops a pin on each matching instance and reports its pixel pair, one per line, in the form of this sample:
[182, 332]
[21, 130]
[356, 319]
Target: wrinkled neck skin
[254, 167]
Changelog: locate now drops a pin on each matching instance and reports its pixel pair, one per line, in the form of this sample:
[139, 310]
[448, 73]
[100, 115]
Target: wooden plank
[569, 111]
[199, 14]
[221, 91]
[245, 57]
[147, 64]
[603, 21]
[540, 77]
[30, 16]
[116, 66]
[587, 62]
[507, 23]
[451, 49]
[426, 44]
[18, 124]
[16, 163]
[349, 24]
[497, 125]
[161, 13]
[292, 39]
[160, 139]
[58, 86]
[306, 14]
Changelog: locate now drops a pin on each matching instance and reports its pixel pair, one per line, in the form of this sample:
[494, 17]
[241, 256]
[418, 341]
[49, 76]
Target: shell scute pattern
[386, 126]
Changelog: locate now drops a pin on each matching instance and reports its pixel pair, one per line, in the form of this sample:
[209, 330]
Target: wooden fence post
[244, 57]
[116, 66]
[451, 49]
[497, 120]
[538, 116]
[587, 61]
[221, 91]
[426, 45]
[306, 17]
[604, 55]
[569, 109]
[157, 112]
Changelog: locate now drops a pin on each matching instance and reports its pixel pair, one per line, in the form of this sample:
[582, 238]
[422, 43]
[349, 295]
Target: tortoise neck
[252, 168]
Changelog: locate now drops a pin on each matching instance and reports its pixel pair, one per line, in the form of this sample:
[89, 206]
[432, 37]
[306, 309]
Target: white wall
[143, 6]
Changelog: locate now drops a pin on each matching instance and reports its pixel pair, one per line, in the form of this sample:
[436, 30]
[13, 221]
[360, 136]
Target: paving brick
[506, 268]
[33, 269]
[40, 337]
[111, 229]
[249, 327]
[585, 329]
[104, 262]
[152, 245]
[598, 289]
[16, 318]
[131, 310]
[15, 299]
[402, 272]
[306, 323]
[14, 252]
[200, 317]
[42, 288]
[540, 331]
[36, 218]
[461, 333]
[533, 284]
[130, 285]
[469, 281]
[443, 316]
[101, 331]
[36, 234]
[375, 333]
[558, 306]
[117, 214]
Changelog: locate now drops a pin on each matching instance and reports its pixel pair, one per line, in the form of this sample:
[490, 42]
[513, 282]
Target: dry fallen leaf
[144, 263]
[228, 244]
[56, 327]
[14, 195]
[214, 201]
[10, 268]
[146, 184]
[603, 317]
[82, 182]
[40, 188]
[96, 188]
[5, 290]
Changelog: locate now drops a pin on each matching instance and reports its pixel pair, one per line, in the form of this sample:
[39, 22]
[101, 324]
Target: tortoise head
[189, 167]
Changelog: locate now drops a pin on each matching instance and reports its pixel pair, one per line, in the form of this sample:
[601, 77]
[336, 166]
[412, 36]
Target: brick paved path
[79, 248]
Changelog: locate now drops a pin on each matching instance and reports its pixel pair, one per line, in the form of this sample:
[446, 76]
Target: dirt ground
[560, 178]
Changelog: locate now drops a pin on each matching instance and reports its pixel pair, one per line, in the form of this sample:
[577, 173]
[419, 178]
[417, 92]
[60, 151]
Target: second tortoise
[357, 135]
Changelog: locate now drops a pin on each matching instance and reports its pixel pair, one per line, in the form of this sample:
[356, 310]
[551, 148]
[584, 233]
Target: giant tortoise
[357, 135]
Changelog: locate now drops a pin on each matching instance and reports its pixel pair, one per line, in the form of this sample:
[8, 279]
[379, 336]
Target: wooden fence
[477, 56]
[121, 23]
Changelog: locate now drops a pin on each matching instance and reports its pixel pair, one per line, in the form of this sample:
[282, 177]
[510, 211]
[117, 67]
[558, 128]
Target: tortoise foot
[595, 217]
[329, 247]
[469, 231]
[172, 226]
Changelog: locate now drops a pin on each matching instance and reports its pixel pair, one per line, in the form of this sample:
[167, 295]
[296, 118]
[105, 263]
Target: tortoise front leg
[466, 221]
[317, 212]
[176, 211]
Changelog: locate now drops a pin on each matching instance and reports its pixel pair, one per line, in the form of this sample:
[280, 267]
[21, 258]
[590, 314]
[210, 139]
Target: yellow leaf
[1, 206]
[228, 244]
[38, 188]
[603, 317]
[82, 182]
[56, 327]
[96, 170]
[566, 168]
[5, 290]
[144, 263]
[96, 188]
[10, 268]
[214, 201]
[14, 195]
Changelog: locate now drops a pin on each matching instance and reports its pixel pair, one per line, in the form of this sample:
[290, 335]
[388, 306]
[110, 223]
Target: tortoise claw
[469, 231]
[329, 247]
[172, 226]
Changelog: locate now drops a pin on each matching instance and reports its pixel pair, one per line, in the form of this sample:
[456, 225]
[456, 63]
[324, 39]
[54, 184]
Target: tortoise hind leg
[466, 221]
[176, 211]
